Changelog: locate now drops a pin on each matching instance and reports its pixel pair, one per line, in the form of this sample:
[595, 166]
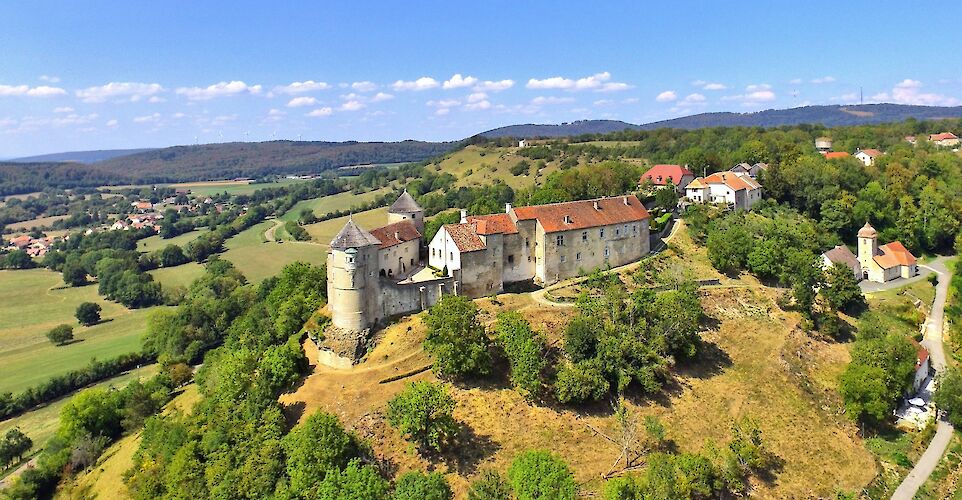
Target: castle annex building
[391, 270]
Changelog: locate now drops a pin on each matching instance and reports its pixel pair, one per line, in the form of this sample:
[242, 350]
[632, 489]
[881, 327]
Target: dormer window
[567, 219]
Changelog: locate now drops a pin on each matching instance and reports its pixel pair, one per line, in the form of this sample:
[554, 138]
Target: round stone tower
[351, 280]
[405, 208]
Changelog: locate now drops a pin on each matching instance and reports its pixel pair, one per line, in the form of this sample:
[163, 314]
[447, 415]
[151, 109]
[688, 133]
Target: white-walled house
[736, 189]
[867, 156]
[945, 139]
[842, 255]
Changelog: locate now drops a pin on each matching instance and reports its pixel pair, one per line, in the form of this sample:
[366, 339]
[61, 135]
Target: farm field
[34, 301]
[259, 259]
[155, 242]
[327, 204]
[182, 275]
[38, 222]
[230, 187]
[323, 232]
[41, 424]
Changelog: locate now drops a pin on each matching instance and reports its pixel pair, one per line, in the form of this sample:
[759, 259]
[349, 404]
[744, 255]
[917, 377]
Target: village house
[867, 156]
[922, 366]
[142, 205]
[379, 274]
[522, 143]
[823, 144]
[842, 255]
[661, 175]
[752, 170]
[945, 139]
[736, 189]
[886, 262]
[910, 139]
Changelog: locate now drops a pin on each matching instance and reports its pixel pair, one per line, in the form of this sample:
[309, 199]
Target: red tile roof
[894, 254]
[831, 155]
[659, 174]
[583, 214]
[464, 237]
[395, 234]
[734, 180]
[942, 136]
[922, 353]
[872, 152]
[493, 224]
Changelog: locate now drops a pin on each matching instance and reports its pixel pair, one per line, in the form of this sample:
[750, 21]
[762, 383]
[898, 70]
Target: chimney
[397, 235]
[507, 208]
[597, 206]
[567, 219]
[464, 216]
[624, 199]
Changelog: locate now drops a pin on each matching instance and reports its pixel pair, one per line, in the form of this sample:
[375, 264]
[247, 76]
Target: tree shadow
[472, 449]
[293, 412]
[71, 342]
[710, 361]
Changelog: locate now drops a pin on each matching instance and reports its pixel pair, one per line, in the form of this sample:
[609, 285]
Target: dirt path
[934, 326]
[269, 234]
[7, 481]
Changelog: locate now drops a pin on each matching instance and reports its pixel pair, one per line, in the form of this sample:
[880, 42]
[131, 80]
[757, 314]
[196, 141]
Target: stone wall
[404, 298]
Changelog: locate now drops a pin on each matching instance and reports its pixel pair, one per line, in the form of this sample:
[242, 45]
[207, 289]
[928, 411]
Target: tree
[88, 313]
[863, 390]
[17, 259]
[728, 247]
[676, 316]
[172, 255]
[667, 197]
[841, 289]
[423, 412]
[580, 382]
[456, 339]
[489, 486]
[354, 482]
[316, 447]
[74, 273]
[537, 474]
[93, 412]
[524, 349]
[416, 485]
[948, 396]
[60, 334]
[581, 339]
[179, 373]
[15, 443]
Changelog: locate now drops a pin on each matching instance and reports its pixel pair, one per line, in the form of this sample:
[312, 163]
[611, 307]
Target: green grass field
[182, 275]
[154, 243]
[41, 424]
[230, 187]
[325, 205]
[259, 259]
[323, 232]
[34, 301]
[487, 165]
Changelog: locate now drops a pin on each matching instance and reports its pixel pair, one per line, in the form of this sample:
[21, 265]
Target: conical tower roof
[352, 236]
[404, 204]
[867, 231]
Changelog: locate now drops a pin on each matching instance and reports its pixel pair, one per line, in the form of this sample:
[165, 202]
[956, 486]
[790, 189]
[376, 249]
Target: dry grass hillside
[758, 364]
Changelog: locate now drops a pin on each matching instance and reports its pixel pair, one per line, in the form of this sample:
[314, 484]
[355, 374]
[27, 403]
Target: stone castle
[391, 270]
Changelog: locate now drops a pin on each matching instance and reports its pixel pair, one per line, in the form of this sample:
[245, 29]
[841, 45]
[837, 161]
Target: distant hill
[829, 116]
[79, 156]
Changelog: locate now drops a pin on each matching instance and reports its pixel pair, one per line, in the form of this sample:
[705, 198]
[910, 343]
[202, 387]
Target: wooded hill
[829, 116]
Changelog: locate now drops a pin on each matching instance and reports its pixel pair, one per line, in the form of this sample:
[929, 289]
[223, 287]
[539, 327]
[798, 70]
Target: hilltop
[829, 116]
[86, 157]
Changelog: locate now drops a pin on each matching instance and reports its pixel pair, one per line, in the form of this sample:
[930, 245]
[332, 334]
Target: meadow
[182, 275]
[36, 300]
[327, 204]
[258, 259]
[154, 243]
[323, 232]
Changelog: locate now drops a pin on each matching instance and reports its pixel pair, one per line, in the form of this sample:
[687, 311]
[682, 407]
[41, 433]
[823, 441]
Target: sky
[109, 75]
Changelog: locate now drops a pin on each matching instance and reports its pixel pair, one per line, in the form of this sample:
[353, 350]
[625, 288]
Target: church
[391, 270]
[886, 262]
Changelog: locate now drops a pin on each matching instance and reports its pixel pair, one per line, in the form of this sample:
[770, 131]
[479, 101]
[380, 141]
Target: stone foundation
[343, 348]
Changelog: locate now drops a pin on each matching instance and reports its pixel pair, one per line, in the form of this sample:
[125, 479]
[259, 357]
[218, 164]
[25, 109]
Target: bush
[315, 448]
[541, 475]
[423, 412]
[580, 382]
[456, 339]
[88, 313]
[490, 486]
[524, 349]
[354, 482]
[416, 485]
[60, 334]
[581, 340]
[948, 396]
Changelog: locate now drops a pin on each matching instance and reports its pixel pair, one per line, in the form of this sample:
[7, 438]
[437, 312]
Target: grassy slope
[34, 301]
[325, 205]
[258, 259]
[760, 365]
[182, 275]
[323, 232]
[153, 243]
[41, 424]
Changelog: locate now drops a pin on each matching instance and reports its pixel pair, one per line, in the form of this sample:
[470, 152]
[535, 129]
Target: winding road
[933, 342]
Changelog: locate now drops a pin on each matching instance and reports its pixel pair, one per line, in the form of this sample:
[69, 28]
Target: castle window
[617, 232]
[511, 259]
[450, 255]
[584, 236]
[578, 256]
[602, 232]
[390, 272]
[412, 262]
[383, 273]
[560, 240]
[606, 252]
[563, 259]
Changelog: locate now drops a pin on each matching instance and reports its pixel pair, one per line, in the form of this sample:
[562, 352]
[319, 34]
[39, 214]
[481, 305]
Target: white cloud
[795, 81]
[754, 94]
[26, 90]
[442, 111]
[112, 123]
[364, 86]
[275, 115]
[382, 96]
[179, 115]
[64, 109]
[824, 79]
[694, 98]
[50, 79]
[220, 89]
[604, 102]
[153, 118]
[444, 103]
[666, 96]
[477, 97]
[908, 91]
[541, 100]
[457, 81]
[154, 99]
[74, 119]
[631, 100]
[698, 83]
[122, 91]
[301, 101]
[423, 83]
[482, 104]
[598, 82]
[321, 112]
[301, 87]
[714, 86]
[494, 86]
[758, 86]
[352, 105]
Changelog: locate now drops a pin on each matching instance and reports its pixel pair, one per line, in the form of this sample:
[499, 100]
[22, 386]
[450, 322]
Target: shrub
[60, 334]
[540, 474]
[524, 349]
[580, 382]
[423, 412]
[416, 485]
[490, 486]
[88, 313]
[456, 339]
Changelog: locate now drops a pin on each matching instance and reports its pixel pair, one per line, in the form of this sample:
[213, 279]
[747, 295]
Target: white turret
[351, 283]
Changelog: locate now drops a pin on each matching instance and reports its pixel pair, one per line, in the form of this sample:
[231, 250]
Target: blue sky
[100, 75]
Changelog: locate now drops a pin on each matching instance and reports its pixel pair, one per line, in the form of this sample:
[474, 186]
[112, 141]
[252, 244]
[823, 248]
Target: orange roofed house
[736, 189]
[661, 175]
[886, 262]
[945, 139]
[544, 243]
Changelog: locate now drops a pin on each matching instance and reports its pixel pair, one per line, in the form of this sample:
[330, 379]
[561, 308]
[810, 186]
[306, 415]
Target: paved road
[933, 342]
